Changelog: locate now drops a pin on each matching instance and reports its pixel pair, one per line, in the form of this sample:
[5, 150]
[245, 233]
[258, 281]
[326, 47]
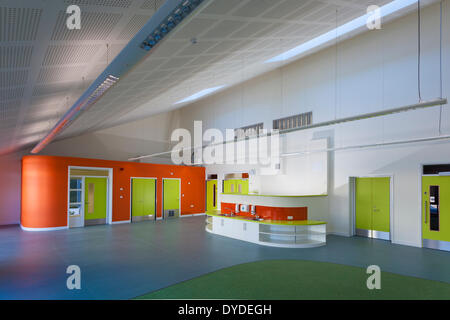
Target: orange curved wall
[45, 187]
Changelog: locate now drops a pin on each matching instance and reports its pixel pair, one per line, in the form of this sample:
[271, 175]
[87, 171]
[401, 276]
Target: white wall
[374, 71]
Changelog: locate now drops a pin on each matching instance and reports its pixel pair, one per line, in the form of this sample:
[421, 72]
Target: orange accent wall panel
[45, 187]
[270, 213]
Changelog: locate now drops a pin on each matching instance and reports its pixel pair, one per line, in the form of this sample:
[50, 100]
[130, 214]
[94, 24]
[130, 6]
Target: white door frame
[109, 193]
[156, 193]
[352, 199]
[162, 196]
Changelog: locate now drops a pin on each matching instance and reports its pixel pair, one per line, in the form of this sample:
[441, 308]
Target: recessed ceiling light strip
[74, 112]
[171, 14]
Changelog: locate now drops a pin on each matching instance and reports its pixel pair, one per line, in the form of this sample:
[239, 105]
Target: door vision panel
[373, 207]
[143, 201]
[436, 212]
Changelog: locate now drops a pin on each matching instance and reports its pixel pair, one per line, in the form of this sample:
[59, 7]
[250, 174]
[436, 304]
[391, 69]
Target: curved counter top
[217, 213]
[275, 233]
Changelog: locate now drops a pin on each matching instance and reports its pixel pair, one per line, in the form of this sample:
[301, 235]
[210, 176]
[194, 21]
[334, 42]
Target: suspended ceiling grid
[45, 67]
[233, 38]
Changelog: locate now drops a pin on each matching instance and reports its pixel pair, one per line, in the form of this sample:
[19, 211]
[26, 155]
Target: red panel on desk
[270, 213]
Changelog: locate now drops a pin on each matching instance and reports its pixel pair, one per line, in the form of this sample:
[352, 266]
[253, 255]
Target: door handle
[426, 210]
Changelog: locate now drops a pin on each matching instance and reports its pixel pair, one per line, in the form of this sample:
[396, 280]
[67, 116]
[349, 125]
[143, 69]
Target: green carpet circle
[300, 280]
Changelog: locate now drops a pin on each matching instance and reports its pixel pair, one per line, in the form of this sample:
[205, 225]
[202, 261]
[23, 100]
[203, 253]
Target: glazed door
[143, 200]
[436, 212]
[95, 201]
[211, 195]
[373, 207]
[171, 198]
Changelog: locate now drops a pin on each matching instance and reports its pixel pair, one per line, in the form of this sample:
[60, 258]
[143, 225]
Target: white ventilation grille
[13, 78]
[104, 3]
[15, 57]
[69, 54]
[95, 26]
[19, 24]
[135, 24]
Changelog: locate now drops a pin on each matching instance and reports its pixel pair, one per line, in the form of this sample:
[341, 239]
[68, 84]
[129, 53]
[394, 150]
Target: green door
[211, 195]
[171, 198]
[95, 201]
[143, 200]
[373, 207]
[436, 212]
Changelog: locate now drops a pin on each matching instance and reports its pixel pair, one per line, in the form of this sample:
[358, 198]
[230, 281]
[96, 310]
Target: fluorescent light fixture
[200, 94]
[348, 27]
[75, 111]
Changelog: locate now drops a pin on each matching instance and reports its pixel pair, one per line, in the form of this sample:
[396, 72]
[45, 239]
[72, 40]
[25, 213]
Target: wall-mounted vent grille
[94, 26]
[248, 131]
[135, 24]
[15, 57]
[104, 3]
[70, 54]
[13, 78]
[152, 4]
[11, 94]
[297, 121]
[19, 24]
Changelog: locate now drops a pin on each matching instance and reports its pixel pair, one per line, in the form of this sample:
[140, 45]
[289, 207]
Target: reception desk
[275, 233]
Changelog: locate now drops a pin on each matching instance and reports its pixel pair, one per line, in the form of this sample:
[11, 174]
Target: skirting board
[120, 222]
[192, 215]
[342, 234]
[407, 243]
[43, 229]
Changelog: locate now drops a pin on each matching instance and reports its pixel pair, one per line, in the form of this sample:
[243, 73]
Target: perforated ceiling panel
[224, 43]
[45, 67]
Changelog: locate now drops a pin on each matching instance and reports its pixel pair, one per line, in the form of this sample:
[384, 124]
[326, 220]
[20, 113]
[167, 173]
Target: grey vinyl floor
[127, 260]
